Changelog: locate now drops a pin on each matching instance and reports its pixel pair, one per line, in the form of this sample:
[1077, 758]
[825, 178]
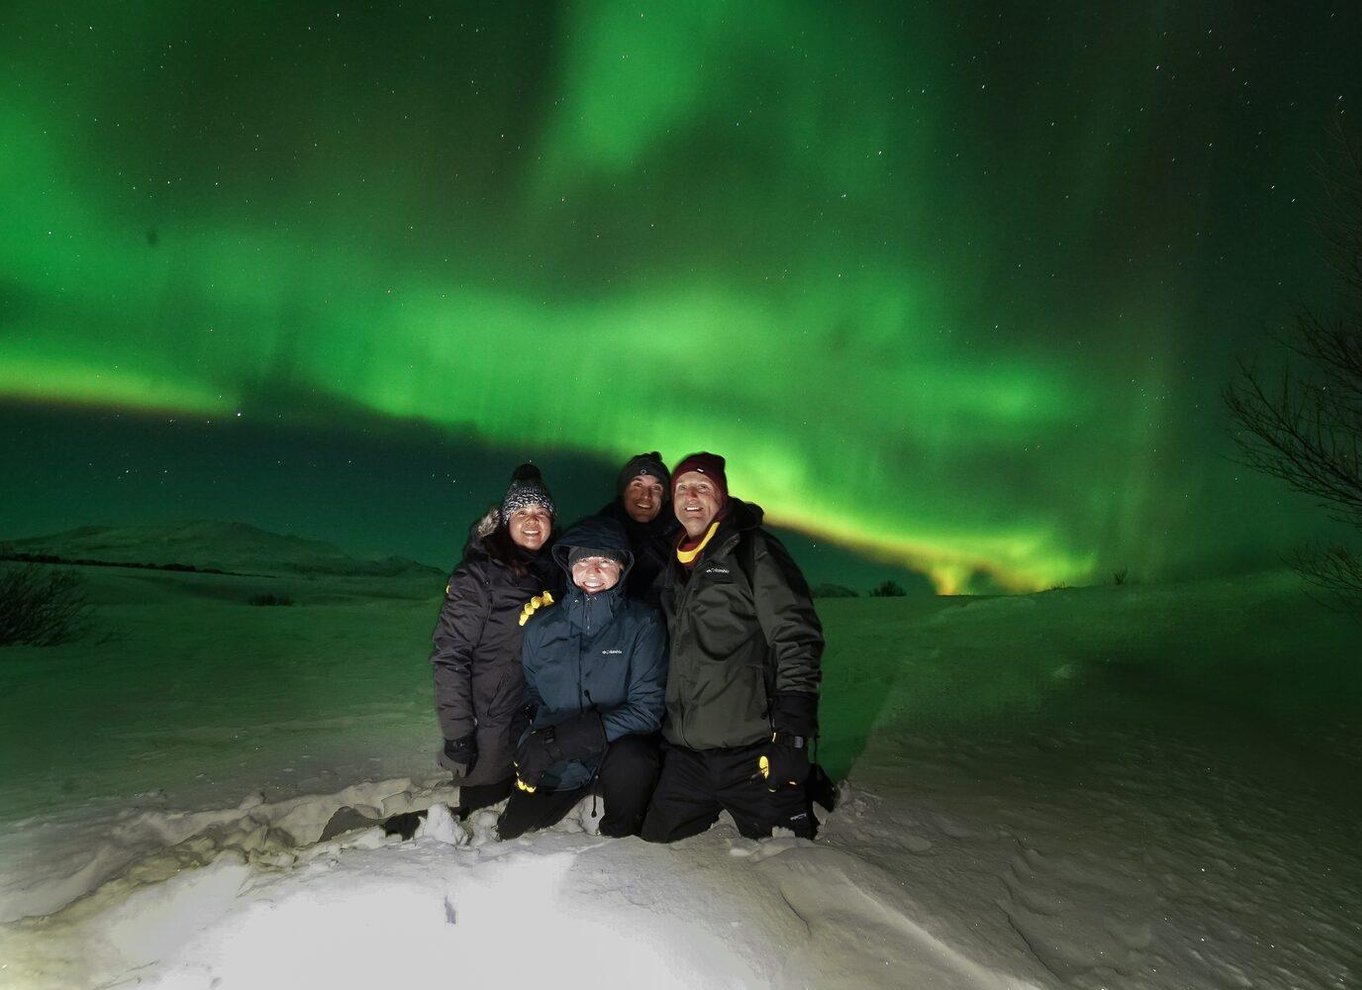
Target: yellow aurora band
[797, 239]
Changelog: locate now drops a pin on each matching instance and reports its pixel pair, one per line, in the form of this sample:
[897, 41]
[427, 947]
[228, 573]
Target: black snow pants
[624, 783]
[698, 784]
[474, 797]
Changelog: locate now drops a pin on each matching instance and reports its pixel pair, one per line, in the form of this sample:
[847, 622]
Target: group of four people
[667, 662]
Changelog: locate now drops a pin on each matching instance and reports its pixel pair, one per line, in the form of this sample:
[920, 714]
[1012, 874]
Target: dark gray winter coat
[479, 682]
[604, 652]
[743, 634]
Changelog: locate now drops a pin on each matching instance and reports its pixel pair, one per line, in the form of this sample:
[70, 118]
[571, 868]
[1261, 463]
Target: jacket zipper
[728, 545]
[581, 650]
[685, 610]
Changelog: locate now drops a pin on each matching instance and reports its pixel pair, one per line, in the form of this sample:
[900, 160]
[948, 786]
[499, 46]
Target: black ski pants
[624, 783]
[477, 796]
[698, 784]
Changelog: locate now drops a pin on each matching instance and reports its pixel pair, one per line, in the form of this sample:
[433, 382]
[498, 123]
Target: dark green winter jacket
[743, 633]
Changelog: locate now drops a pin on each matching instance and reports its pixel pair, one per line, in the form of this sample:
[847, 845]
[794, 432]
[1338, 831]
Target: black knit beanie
[581, 553]
[649, 463]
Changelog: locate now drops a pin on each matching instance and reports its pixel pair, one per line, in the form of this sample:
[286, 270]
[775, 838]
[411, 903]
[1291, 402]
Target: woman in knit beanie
[506, 573]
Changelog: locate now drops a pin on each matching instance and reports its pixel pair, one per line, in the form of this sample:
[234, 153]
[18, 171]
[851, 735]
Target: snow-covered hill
[208, 545]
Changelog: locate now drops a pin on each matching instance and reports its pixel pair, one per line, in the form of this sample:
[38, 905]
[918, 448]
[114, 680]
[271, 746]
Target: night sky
[958, 291]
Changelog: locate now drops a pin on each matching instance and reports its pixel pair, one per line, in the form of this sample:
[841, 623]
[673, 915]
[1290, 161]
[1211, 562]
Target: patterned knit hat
[641, 464]
[710, 465]
[527, 488]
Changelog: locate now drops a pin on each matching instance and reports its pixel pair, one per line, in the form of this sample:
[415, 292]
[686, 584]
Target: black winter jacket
[479, 683]
[601, 652]
[743, 634]
[652, 544]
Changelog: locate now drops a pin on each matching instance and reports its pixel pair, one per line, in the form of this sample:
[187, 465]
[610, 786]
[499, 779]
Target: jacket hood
[480, 529]
[735, 518]
[598, 533]
[743, 515]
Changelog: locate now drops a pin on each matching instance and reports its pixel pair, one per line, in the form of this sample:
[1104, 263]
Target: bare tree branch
[1305, 428]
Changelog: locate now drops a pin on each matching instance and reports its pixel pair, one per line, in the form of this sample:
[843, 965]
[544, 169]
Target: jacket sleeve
[643, 708]
[785, 610]
[457, 632]
[532, 662]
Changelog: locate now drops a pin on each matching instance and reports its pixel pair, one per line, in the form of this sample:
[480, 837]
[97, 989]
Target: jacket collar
[589, 613]
[734, 519]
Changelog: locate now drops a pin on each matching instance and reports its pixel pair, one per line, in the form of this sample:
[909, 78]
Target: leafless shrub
[41, 606]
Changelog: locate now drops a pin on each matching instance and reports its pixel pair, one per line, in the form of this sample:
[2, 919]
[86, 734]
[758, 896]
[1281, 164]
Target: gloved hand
[795, 712]
[580, 736]
[784, 761]
[459, 755]
[575, 738]
[533, 759]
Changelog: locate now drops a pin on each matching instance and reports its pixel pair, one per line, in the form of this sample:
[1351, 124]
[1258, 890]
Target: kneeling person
[745, 665]
[595, 674]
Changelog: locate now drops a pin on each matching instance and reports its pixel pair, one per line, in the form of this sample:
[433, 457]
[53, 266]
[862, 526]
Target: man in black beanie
[643, 494]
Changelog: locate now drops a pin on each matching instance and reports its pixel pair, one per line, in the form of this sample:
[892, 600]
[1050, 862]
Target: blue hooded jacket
[601, 652]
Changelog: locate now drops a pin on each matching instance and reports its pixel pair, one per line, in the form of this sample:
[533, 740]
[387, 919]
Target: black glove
[795, 712]
[533, 759]
[580, 736]
[784, 761]
[459, 755]
[574, 738]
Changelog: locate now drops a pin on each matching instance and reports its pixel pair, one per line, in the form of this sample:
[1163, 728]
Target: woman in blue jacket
[595, 675]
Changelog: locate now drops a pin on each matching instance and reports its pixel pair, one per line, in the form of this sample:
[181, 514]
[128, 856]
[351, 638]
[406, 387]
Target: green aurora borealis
[956, 291]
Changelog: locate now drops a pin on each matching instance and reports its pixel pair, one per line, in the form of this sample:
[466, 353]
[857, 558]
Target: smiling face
[593, 574]
[696, 501]
[530, 527]
[643, 498]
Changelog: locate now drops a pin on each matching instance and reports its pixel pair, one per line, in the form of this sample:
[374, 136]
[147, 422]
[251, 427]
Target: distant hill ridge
[208, 545]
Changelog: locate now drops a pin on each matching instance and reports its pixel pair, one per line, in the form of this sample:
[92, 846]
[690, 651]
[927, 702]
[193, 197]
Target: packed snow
[1134, 786]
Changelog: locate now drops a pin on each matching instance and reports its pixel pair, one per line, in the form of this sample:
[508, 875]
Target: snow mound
[150, 846]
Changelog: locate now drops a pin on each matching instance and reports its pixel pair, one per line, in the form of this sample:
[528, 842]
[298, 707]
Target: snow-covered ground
[1144, 787]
